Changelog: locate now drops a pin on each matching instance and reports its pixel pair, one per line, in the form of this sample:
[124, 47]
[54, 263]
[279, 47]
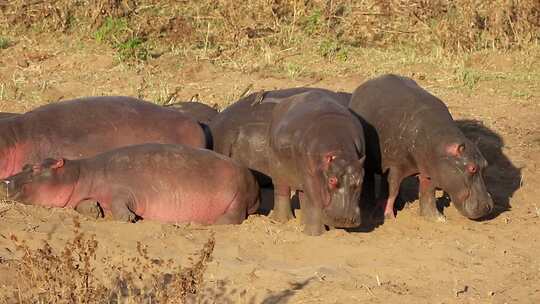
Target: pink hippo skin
[162, 182]
[85, 127]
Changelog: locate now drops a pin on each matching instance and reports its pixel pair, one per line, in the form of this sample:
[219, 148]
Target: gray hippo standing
[305, 141]
[85, 127]
[163, 182]
[409, 131]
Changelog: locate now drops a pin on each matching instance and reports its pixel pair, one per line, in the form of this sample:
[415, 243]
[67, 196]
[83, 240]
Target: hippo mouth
[474, 209]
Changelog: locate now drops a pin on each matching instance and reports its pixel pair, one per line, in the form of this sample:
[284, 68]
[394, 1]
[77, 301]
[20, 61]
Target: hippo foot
[89, 208]
[389, 216]
[129, 217]
[314, 230]
[436, 216]
[282, 216]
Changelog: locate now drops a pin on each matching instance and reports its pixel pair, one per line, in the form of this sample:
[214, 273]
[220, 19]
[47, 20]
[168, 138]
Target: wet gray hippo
[163, 182]
[85, 127]
[304, 140]
[411, 132]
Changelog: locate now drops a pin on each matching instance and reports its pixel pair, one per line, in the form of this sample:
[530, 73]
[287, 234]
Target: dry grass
[228, 29]
[69, 276]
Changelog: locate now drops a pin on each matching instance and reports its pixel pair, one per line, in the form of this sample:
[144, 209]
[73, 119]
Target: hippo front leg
[120, 209]
[89, 208]
[311, 216]
[428, 203]
[282, 211]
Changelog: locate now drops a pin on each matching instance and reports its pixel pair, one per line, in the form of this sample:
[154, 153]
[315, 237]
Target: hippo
[84, 127]
[306, 142]
[163, 182]
[203, 113]
[411, 132]
[198, 110]
[7, 115]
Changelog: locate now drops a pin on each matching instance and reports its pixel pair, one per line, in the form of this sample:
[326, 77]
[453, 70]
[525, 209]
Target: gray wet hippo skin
[408, 132]
[85, 127]
[198, 110]
[167, 183]
[306, 142]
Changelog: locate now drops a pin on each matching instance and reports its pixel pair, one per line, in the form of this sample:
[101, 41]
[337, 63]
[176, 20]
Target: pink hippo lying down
[163, 182]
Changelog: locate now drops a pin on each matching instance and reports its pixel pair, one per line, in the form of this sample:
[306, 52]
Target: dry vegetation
[221, 29]
[69, 276]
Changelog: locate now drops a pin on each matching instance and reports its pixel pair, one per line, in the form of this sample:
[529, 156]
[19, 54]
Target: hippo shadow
[502, 178]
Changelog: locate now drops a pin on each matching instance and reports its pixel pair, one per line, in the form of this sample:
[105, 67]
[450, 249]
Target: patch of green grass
[470, 78]
[523, 94]
[133, 48]
[313, 23]
[117, 33]
[4, 43]
[329, 48]
[294, 70]
[111, 29]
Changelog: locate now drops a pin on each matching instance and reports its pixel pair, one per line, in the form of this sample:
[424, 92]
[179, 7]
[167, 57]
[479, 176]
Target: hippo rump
[307, 142]
[85, 127]
[411, 132]
[203, 113]
[198, 110]
[163, 182]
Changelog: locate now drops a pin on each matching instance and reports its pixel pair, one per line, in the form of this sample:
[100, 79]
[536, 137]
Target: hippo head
[46, 184]
[460, 175]
[338, 181]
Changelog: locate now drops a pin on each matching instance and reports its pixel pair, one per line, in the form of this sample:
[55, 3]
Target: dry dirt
[408, 260]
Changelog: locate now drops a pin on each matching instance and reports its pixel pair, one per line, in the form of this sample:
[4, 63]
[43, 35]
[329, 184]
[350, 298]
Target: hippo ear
[58, 164]
[53, 163]
[455, 149]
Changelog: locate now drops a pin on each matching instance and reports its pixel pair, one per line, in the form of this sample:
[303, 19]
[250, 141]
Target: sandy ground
[408, 260]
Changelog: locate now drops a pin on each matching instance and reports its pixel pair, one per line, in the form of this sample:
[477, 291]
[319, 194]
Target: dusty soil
[408, 260]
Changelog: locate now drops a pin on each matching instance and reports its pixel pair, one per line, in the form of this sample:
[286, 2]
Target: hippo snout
[474, 208]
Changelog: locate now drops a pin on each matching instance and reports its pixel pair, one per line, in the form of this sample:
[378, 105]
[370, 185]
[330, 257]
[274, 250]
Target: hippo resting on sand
[88, 126]
[307, 142]
[411, 132]
[162, 182]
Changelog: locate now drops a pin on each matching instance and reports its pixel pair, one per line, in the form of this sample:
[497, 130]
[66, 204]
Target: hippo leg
[428, 203]
[282, 203]
[311, 216]
[235, 214]
[120, 209]
[394, 179]
[89, 208]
